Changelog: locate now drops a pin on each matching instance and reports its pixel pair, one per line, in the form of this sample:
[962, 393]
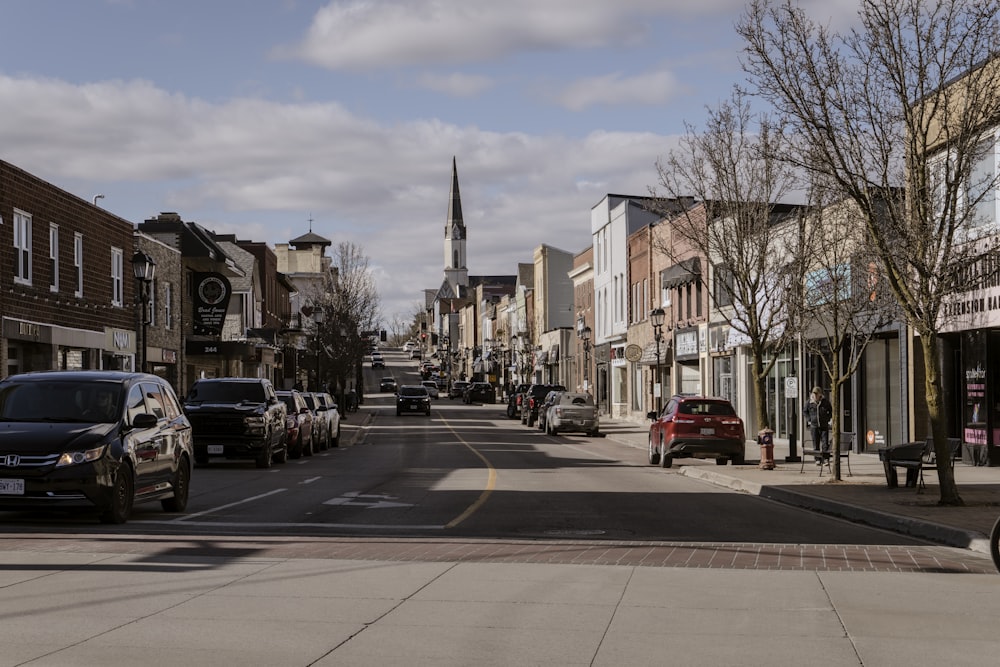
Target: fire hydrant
[765, 438]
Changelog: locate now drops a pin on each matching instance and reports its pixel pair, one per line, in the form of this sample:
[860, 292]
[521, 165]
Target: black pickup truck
[237, 418]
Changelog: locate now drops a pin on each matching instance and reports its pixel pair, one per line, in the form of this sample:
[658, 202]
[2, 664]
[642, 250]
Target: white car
[409, 345]
[432, 388]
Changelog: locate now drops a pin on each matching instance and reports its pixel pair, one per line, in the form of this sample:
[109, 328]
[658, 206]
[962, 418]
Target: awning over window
[686, 271]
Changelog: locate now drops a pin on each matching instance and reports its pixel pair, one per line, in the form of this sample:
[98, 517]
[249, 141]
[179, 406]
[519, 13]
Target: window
[724, 285]
[168, 313]
[78, 262]
[22, 247]
[151, 313]
[117, 286]
[981, 187]
[54, 256]
[697, 299]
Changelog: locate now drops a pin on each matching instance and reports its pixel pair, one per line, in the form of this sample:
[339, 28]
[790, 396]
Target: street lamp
[657, 316]
[144, 268]
[319, 317]
[585, 333]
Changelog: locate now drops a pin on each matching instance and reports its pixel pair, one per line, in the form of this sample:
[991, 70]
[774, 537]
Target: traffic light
[423, 336]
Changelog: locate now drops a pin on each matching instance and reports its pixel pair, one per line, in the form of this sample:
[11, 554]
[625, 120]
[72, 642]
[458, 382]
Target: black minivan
[98, 440]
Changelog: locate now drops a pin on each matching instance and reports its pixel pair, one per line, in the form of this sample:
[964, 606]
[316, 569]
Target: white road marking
[371, 501]
[222, 507]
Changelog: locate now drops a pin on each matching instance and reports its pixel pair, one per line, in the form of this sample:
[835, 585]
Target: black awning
[686, 271]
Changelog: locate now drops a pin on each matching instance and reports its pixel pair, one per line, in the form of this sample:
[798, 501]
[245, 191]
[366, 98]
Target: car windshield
[413, 391]
[310, 401]
[61, 401]
[289, 401]
[226, 392]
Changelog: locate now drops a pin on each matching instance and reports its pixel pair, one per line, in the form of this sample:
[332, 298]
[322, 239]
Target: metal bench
[915, 458]
[846, 445]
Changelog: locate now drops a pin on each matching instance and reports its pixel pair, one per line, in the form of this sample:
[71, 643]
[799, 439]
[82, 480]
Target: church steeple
[455, 271]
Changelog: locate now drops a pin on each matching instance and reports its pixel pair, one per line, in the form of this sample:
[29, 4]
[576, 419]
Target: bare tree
[842, 304]
[736, 225]
[350, 303]
[897, 114]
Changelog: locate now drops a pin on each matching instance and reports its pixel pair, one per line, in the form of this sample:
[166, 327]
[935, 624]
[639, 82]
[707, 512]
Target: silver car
[327, 414]
[572, 411]
[432, 388]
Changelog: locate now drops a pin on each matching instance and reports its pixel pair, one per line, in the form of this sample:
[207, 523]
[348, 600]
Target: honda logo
[11, 460]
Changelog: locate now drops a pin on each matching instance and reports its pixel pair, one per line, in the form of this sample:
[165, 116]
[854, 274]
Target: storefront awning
[686, 271]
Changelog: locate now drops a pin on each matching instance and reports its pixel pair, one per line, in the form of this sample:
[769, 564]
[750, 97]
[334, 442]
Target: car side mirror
[651, 415]
[144, 420]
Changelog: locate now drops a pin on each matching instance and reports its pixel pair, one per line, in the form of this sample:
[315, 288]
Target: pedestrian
[819, 413]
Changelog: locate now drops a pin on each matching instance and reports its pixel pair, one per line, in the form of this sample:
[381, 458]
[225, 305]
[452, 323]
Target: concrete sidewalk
[862, 495]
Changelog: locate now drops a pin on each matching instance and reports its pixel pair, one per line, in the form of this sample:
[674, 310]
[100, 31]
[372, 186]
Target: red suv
[696, 427]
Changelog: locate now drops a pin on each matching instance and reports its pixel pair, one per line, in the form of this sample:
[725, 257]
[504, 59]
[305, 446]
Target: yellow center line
[491, 481]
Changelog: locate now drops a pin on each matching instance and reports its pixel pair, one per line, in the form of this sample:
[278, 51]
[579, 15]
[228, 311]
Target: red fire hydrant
[765, 438]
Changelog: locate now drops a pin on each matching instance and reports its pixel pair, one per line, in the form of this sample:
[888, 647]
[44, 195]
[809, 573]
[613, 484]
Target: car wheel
[296, 451]
[531, 421]
[307, 450]
[335, 442]
[666, 461]
[265, 456]
[182, 485]
[553, 430]
[721, 460]
[654, 453]
[428, 413]
[399, 412]
[736, 460]
[282, 455]
[510, 412]
[122, 497]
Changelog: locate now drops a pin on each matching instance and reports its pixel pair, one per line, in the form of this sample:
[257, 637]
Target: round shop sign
[633, 352]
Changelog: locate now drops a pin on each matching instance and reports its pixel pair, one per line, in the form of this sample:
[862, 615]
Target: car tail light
[683, 420]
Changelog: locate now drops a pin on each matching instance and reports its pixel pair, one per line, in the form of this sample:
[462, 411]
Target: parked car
[480, 392]
[387, 384]
[698, 427]
[299, 424]
[514, 401]
[413, 398]
[457, 388]
[327, 416]
[237, 418]
[532, 399]
[549, 399]
[93, 440]
[432, 388]
[572, 411]
[416, 354]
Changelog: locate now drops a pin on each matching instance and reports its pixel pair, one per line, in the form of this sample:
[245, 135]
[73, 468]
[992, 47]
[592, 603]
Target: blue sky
[253, 116]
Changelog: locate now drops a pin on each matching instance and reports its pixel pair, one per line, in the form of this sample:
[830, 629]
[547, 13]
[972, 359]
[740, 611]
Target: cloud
[259, 169]
[648, 88]
[455, 84]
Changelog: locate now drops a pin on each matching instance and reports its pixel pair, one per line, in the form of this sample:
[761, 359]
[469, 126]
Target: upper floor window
[723, 285]
[168, 298]
[54, 256]
[78, 262]
[151, 313]
[22, 247]
[117, 284]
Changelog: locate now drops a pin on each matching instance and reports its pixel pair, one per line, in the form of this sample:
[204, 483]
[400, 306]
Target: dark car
[378, 363]
[532, 399]
[413, 398]
[387, 384]
[514, 401]
[480, 392]
[98, 440]
[299, 422]
[698, 427]
[457, 388]
[237, 418]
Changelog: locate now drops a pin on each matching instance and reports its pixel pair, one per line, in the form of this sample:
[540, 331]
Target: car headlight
[76, 458]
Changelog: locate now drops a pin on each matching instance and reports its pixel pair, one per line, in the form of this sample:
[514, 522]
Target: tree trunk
[939, 430]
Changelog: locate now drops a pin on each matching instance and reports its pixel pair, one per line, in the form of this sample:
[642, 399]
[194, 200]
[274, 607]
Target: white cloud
[455, 84]
[648, 88]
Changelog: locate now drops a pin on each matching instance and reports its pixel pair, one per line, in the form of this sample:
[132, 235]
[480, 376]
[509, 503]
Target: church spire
[454, 202]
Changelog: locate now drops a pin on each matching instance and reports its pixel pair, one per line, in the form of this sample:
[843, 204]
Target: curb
[927, 530]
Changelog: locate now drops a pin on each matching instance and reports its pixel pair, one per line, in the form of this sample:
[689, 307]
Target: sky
[263, 118]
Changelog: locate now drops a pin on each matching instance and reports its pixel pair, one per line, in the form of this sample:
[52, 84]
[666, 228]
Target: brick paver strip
[736, 556]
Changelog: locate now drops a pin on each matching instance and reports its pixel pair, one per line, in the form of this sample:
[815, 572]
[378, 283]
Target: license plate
[11, 487]
[216, 449]
[708, 431]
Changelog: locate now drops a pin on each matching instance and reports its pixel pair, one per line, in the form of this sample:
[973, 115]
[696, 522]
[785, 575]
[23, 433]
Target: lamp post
[144, 268]
[585, 334]
[318, 318]
[657, 316]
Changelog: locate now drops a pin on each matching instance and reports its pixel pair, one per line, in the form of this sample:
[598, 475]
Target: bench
[915, 458]
[846, 444]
